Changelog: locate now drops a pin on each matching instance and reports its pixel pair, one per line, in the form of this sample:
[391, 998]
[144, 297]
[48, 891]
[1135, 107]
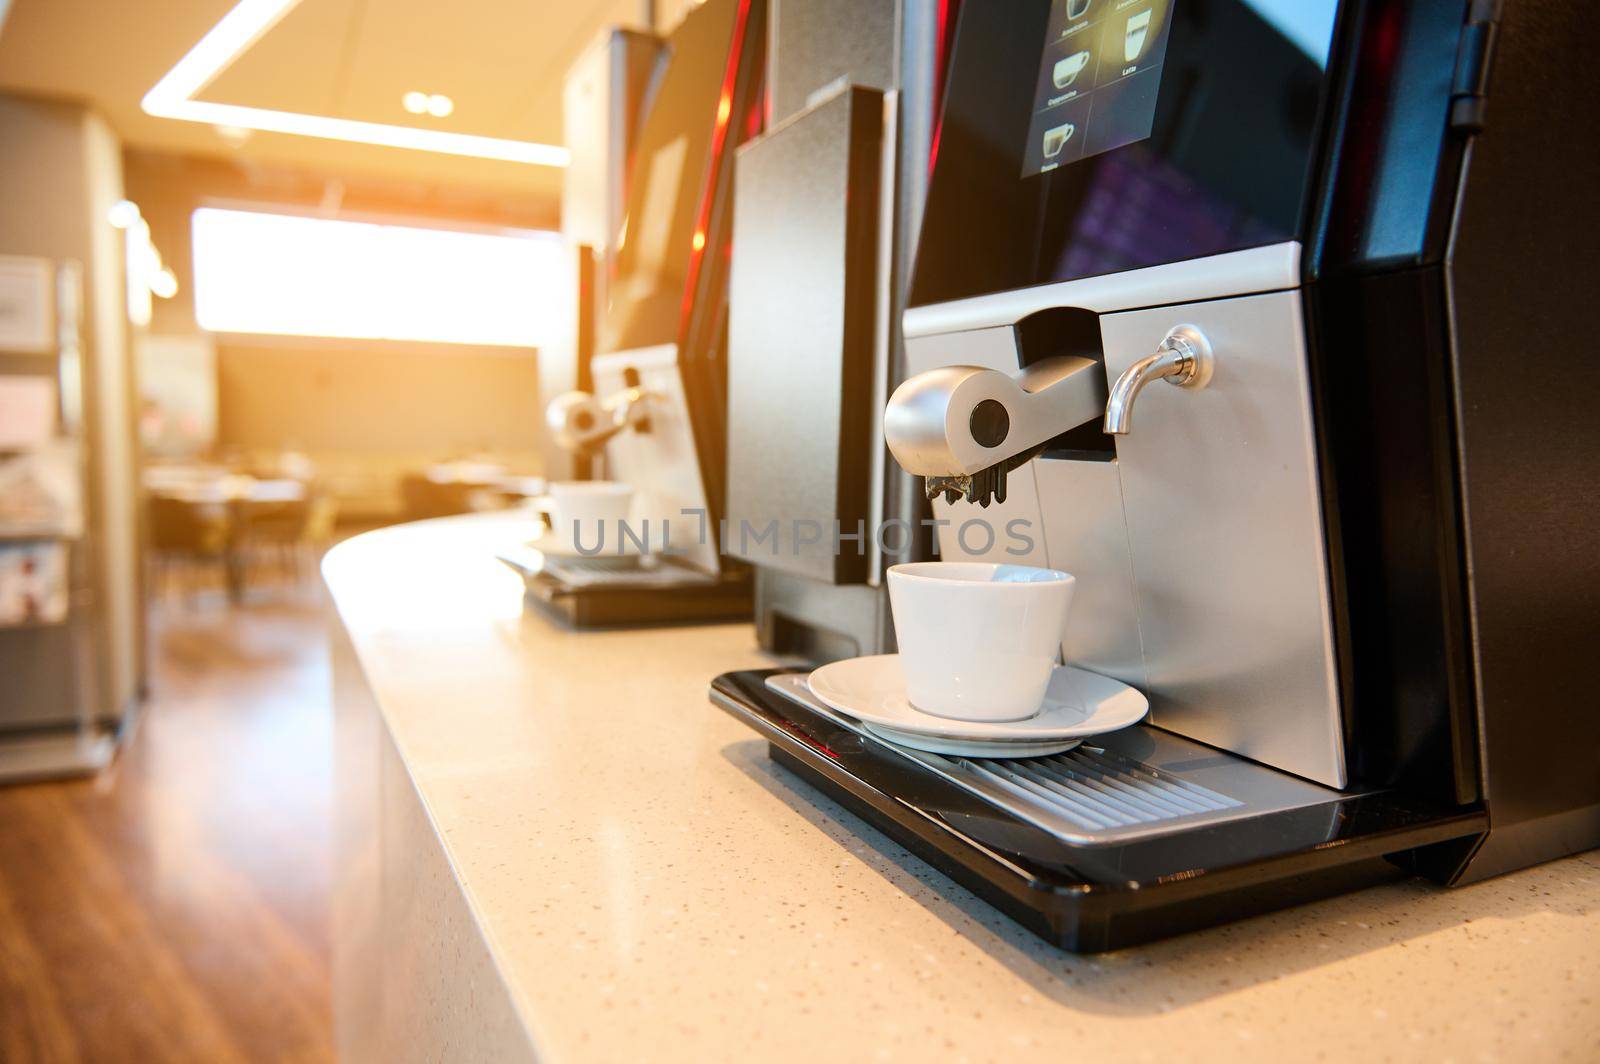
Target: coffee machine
[650, 408]
[603, 98]
[1267, 322]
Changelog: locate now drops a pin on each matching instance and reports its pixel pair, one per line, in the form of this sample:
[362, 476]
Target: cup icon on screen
[1067, 70]
[1056, 138]
[1077, 8]
[1133, 37]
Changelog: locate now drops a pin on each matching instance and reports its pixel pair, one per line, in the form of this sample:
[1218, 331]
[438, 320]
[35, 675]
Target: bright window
[284, 274]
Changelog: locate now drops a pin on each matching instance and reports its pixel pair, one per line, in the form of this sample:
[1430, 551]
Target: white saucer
[530, 561]
[933, 744]
[1077, 704]
[553, 545]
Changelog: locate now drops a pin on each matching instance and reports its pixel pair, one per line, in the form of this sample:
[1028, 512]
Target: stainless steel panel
[994, 348]
[816, 43]
[661, 464]
[1009, 533]
[1235, 273]
[1084, 534]
[1221, 496]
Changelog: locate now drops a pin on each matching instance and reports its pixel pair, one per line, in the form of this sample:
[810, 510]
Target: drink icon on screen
[1056, 138]
[1067, 70]
[1133, 38]
[1077, 8]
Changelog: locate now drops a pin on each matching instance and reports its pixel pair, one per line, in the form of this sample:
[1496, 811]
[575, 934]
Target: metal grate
[622, 572]
[1085, 794]
[606, 570]
[1135, 783]
[1094, 788]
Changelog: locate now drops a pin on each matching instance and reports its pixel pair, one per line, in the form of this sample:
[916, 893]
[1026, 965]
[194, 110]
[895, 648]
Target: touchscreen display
[1098, 79]
[1081, 138]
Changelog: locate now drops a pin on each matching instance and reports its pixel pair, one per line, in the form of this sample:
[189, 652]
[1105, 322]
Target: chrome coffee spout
[964, 428]
[582, 424]
[1184, 359]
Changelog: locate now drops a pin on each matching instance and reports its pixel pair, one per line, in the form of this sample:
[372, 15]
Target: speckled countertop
[652, 887]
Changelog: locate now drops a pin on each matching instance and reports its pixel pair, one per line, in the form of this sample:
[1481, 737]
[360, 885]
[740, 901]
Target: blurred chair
[322, 520]
[186, 538]
[268, 536]
[286, 538]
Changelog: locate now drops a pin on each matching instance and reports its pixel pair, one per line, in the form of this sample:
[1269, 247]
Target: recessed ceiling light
[415, 102]
[123, 214]
[173, 97]
[440, 106]
[234, 135]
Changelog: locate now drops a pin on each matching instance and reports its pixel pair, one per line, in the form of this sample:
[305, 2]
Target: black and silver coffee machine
[647, 366]
[1272, 320]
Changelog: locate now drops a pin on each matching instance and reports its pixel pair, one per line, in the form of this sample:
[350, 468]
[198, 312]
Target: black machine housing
[1446, 270]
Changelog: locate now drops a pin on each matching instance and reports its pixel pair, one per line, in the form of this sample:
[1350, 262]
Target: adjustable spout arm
[964, 428]
[1184, 359]
[582, 424]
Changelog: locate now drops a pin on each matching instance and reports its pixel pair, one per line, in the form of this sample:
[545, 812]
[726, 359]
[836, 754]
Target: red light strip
[719, 137]
[941, 64]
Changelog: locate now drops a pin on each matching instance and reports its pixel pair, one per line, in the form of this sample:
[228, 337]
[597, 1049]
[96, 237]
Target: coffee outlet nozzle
[581, 423]
[965, 428]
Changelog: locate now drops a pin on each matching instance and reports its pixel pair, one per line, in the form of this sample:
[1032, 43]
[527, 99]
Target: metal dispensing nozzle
[1184, 359]
[965, 428]
[582, 424]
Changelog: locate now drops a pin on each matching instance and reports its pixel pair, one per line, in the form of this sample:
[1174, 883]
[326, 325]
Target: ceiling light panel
[174, 97]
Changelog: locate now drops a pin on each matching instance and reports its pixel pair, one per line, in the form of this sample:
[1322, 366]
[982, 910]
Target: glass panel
[1098, 80]
[1083, 137]
[657, 241]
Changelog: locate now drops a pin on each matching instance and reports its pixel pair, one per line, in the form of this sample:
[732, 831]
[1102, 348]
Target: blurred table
[448, 488]
[233, 500]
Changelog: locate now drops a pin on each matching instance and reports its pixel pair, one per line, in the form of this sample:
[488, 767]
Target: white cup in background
[583, 511]
[978, 641]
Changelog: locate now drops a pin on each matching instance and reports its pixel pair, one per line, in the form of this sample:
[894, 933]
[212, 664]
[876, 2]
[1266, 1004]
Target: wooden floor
[178, 908]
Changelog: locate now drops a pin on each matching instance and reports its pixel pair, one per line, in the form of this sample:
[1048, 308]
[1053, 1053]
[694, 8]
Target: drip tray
[1136, 783]
[603, 570]
[1131, 836]
[601, 592]
[585, 572]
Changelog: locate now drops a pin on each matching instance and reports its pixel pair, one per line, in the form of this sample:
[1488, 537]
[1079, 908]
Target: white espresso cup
[588, 514]
[978, 641]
